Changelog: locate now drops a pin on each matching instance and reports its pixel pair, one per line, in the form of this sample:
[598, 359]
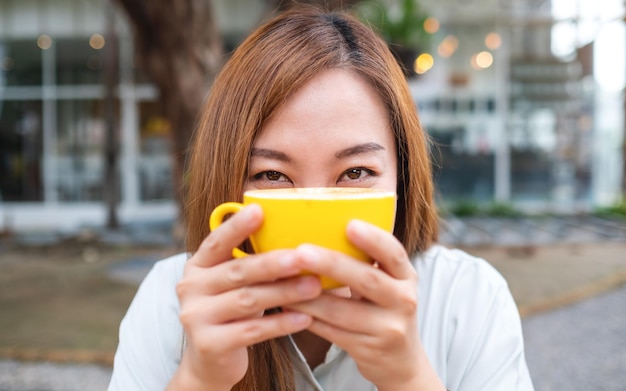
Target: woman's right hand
[222, 303]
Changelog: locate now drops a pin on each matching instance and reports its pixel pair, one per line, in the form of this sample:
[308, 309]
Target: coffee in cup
[319, 216]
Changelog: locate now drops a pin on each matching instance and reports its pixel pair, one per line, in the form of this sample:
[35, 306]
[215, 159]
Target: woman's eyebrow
[359, 149]
[269, 154]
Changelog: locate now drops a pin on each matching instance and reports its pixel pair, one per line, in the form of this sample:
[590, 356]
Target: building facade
[53, 122]
[516, 125]
[525, 126]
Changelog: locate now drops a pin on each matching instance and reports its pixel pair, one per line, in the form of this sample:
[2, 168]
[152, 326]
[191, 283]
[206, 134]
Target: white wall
[57, 18]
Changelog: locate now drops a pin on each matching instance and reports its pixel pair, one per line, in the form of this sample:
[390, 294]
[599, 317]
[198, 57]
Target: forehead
[337, 105]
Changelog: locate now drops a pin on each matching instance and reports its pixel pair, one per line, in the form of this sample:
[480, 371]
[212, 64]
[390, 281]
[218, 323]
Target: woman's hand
[377, 327]
[222, 303]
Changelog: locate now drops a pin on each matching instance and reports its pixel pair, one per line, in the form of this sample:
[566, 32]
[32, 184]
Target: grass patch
[618, 209]
[471, 208]
[52, 298]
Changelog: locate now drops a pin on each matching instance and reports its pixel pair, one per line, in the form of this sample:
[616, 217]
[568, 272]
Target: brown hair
[267, 68]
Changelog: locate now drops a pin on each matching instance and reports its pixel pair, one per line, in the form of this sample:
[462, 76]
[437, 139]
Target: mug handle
[217, 218]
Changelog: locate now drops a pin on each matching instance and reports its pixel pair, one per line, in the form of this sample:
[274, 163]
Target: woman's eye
[354, 173]
[272, 176]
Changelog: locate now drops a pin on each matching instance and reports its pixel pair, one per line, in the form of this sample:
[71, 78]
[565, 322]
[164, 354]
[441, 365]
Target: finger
[217, 247]
[346, 314]
[231, 336]
[256, 269]
[363, 279]
[236, 273]
[251, 301]
[345, 339]
[383, 247]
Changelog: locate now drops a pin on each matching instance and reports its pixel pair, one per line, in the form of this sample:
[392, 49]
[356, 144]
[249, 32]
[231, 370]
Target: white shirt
[468, 322]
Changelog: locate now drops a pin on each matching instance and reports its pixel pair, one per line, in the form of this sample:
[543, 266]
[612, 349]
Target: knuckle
[210, 244]
[252, 332]
[395, 335]
[187, 317]
[183, 287]
[246, 299]
[398, 256]
[210, 348]
[408, 302]
[415, 278]
[371, 279]
[235, 273]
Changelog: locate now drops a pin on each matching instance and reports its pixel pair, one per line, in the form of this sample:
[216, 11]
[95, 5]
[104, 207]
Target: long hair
[265, 70]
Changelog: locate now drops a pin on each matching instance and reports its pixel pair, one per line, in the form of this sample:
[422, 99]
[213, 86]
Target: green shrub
[465, 208]
[501, 209]
[617, 209]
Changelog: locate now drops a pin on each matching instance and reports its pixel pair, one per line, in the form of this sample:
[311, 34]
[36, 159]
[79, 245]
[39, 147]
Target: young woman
[315, 99]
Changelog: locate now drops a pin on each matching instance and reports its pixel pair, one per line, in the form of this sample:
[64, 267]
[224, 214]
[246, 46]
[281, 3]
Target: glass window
[20, 63]
[531, 174]
[463, 165]
[77, 62]
[550, 156]
[81, 132]
[20, 151]
[532, 139]
[155, 162]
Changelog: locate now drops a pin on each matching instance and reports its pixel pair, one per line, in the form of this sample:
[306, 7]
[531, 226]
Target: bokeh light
[97, 41]
[448, 46]
[7, 64]
[423, 63]
[493, 40]
[481, 60]
[44, 41]
[431, 25]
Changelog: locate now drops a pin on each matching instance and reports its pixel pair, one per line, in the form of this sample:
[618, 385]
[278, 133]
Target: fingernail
[251, 212]
[308, 286]
[287, 261]
[299, 319]
[358, 227]
[308, 254]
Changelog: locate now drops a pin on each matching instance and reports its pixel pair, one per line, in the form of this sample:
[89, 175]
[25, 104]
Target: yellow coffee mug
[319, 216]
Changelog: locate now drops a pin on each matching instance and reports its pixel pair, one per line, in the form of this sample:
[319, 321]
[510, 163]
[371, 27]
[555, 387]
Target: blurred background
[523, 99]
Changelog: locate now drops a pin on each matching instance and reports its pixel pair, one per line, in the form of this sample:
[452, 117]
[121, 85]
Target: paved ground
[575, 348]
[540, 230]
[566, 273]
[18, 376]
[581, 347]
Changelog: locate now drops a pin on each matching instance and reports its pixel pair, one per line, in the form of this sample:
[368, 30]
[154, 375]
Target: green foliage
[618, 209]
[500, 209]
[465, 208]
[468, 208]
[400, 22]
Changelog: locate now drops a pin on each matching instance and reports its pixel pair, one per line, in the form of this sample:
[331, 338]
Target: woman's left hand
[377, 326]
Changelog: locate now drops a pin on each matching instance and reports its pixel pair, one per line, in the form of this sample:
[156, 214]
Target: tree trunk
[623, 200]
[281, 5]
[111, 152]
[180, 48]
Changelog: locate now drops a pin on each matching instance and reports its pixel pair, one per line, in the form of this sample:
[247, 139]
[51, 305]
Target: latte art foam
[319, 193]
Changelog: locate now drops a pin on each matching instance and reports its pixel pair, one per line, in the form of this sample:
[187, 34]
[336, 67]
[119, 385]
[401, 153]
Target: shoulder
[156, 296]
[458, 269]
[469, 322]
[159, 285]
[168, 270]
[151, 336]
[456, 285]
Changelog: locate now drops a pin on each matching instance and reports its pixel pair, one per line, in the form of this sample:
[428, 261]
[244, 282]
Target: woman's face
[333, 132]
